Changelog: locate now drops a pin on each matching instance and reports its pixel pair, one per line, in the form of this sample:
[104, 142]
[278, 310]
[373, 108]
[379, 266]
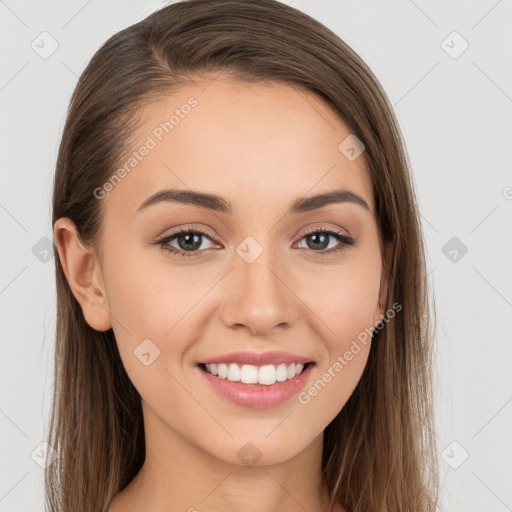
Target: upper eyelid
[325, 229]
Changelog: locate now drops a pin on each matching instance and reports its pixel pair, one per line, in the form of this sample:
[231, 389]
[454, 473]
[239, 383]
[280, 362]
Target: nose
[259, 296]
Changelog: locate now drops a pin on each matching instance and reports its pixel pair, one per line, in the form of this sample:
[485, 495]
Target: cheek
[346, 300]
[149, 306]
[139, 316]
[346, 339]
[152, 300]
[142, 299]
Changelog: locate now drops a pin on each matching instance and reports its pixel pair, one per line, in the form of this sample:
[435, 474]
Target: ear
[83, 273]
[384, 280]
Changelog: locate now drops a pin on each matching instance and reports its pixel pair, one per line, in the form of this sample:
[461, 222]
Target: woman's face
[260, 279]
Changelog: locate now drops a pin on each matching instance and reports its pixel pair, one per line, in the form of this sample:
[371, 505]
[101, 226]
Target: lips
[257, 359]
[257, 395]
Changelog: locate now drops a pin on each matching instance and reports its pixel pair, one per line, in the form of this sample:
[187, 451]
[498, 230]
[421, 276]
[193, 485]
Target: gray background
[455, 113]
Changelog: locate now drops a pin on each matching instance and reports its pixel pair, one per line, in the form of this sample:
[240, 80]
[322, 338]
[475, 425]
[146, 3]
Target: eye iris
[194, 238]
[316, 237]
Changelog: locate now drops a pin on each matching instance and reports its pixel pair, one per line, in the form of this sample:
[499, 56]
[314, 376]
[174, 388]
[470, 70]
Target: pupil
[195, 242]
[315, 237]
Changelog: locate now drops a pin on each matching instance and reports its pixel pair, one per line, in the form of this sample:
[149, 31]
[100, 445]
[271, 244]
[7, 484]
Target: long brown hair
[379, 451]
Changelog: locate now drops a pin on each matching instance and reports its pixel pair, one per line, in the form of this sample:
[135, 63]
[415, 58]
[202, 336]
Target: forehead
[257, 144]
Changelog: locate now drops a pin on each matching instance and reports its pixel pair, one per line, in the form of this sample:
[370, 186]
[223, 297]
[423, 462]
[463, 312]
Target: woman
[242, 300]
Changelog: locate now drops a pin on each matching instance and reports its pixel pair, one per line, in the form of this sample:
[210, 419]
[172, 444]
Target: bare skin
[260, 147]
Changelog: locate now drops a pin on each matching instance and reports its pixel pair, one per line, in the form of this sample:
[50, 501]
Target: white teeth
[250, 374]
[234, 372]
[281, 373]
[223, 370]
[267, 375]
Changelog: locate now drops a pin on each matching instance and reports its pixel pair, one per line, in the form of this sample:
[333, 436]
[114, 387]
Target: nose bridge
[259, 298]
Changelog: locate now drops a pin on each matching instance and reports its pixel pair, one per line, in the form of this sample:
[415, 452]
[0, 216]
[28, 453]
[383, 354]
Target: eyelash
[345, 241]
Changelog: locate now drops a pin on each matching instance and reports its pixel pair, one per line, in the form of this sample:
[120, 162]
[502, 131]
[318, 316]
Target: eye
[319, 240]
[188, 241]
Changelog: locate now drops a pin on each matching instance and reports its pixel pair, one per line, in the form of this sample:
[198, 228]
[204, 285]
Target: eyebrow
[219, 204]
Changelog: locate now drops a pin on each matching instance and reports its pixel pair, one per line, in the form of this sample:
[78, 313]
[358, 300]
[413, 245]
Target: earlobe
[83, 273]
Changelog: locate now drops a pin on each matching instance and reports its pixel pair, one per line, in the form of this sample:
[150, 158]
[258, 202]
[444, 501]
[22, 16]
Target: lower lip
[258, 395]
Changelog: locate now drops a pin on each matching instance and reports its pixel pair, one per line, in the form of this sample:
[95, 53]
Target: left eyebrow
[219, 204]
[307, 204]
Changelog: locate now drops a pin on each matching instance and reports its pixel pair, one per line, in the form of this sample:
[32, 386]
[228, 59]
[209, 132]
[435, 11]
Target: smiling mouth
[265, 375]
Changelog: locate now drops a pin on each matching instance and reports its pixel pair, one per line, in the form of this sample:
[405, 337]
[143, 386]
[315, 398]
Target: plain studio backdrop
[446, 67]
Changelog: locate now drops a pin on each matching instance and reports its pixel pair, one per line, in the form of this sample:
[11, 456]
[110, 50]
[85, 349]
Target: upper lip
[258, 359]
